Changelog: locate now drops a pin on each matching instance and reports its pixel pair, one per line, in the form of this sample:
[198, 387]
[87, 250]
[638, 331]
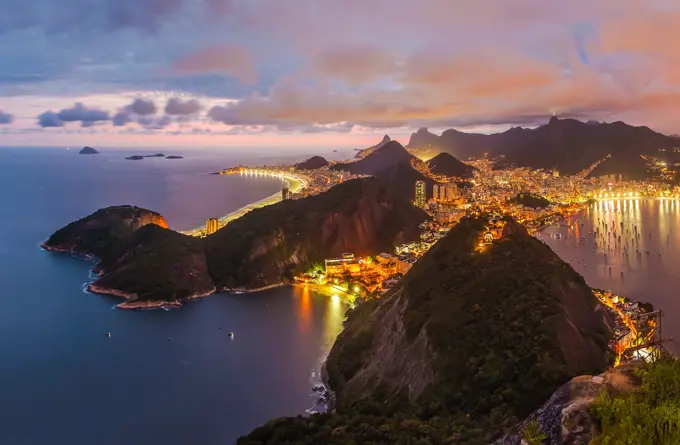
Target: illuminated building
[421, 196]
[435, 191]
[556, 174]
[285, 193]
[451, 191]
[345, 264]
[211, 226]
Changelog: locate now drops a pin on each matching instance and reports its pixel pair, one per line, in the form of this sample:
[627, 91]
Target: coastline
[293, 184]
[132, 300]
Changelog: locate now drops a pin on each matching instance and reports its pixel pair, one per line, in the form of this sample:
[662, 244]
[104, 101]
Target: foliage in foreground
[650, 416]
[533, 434]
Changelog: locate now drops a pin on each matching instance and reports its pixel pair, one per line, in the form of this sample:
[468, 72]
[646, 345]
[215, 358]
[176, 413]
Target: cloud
[6, 118]
[233, 60]
[177, 107]
[80, 113]
[356, 64]
[49, 119]
[143, 107]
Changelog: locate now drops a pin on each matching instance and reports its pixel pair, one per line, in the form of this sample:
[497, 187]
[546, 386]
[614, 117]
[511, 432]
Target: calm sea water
[164, 377]
[644, 265]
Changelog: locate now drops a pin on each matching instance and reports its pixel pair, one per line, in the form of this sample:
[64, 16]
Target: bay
[164, 377]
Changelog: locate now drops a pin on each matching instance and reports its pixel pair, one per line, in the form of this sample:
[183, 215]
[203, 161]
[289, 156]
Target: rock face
[484, 298]
[363, 216]
[564, 144]
[446, 164]
[565, 417]
[312, 163]
[473, 339]
[384, 157]
[88, 151]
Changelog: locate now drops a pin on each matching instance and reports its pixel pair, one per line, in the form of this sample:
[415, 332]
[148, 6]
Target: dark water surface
[644, 265]
[62, 381]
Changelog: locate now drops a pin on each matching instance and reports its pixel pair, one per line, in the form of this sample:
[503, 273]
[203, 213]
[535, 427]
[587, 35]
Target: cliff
[312, 163]
[468, 343]
[564, 144]
[363, 216]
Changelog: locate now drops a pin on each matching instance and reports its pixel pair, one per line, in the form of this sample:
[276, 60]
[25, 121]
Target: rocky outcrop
[565, 418]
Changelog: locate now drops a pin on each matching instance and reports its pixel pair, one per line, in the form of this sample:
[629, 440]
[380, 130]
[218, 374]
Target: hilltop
[312, 163]
[567, 145]
[530, 200]
[88, 151]
[469, 342]
[447, 165]
[367, 151]
[388, 155]
[149, 265]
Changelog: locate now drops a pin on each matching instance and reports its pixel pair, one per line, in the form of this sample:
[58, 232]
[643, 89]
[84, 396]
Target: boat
[108, 335]
[231, 335]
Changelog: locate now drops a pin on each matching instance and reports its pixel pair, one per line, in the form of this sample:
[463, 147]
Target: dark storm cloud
[143, 107]
[5, 118]
[177, 107]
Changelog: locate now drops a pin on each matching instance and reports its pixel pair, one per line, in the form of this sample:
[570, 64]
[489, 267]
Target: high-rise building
[435, 191]
[421, 195]
[211, 226]
[451, 191]
[285, 193]
[442, 192]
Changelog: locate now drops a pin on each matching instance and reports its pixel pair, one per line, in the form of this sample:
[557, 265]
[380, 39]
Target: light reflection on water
[643, 264]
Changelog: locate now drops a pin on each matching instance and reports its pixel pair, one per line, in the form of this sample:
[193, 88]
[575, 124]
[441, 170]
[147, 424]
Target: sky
[327, 73]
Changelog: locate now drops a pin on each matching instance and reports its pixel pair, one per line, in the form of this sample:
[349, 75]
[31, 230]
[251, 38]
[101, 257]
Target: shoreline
[293, 184]
[132, 300]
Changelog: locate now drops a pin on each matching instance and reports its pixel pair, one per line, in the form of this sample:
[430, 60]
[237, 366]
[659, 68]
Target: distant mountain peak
[553, 120]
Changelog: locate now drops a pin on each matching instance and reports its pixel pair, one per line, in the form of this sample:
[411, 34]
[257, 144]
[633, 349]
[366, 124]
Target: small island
[88, 151]
[157, 155]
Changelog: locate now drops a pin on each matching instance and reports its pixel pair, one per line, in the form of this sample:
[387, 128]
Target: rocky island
[150, 266]
[88, 151]
[471, 341]
[157, 155]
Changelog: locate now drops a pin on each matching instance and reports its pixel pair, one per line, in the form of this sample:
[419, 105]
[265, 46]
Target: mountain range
[567, 145]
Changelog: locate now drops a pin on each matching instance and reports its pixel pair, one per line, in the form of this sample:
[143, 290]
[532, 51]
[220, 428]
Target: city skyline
[334, 74]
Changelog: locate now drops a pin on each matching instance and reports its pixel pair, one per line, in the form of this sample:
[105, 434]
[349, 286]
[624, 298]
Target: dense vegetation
[530, 200]
[363, 216]
[650, 416]
[492, 320]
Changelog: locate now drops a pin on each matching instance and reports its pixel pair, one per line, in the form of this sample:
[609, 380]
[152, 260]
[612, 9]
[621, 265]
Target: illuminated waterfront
[643, 264]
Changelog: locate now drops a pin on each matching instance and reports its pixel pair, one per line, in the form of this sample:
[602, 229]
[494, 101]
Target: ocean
[164, 377]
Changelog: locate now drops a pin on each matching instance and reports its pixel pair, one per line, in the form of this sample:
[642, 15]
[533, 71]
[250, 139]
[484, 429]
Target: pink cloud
[234, 60]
